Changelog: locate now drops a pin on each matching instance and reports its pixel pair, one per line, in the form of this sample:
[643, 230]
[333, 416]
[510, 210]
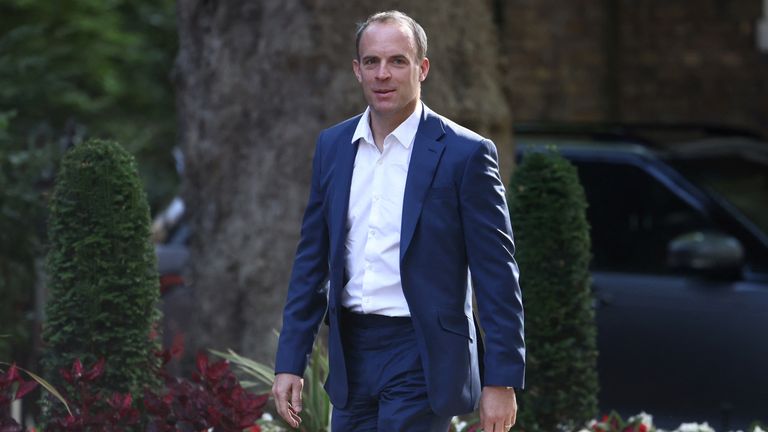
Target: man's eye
[369, 61]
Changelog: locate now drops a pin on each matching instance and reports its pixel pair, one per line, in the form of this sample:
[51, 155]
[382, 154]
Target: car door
[682, 346]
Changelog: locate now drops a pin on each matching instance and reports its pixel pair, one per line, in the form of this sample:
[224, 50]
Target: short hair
[419, 36]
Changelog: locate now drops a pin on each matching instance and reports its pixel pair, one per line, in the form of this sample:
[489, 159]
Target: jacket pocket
[456, 323]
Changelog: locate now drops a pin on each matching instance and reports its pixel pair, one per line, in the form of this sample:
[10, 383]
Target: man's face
[389, 71]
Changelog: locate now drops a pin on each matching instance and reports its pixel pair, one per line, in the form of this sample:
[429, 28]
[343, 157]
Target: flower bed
[212, 399]
[643, 422]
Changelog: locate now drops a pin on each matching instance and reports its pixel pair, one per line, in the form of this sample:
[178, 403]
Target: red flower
[77, 369]
[11, 375]
[96, 371]
[24, 388]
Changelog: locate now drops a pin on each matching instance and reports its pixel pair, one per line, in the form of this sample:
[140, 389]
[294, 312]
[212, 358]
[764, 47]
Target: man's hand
[287, 393]
[498, 409]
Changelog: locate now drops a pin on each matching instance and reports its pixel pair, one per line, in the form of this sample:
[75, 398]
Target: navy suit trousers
[387, 386]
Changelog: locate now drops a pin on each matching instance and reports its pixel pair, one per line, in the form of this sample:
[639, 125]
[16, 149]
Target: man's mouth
[384, 91]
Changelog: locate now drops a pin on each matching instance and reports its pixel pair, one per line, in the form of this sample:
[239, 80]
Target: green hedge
[103, 286]
[547, 207]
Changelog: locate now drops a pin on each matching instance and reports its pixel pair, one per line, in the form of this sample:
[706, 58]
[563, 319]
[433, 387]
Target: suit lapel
[427, 149]
[345, 162]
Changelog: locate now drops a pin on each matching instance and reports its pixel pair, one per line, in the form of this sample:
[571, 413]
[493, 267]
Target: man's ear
[356, 70]
[424, 69]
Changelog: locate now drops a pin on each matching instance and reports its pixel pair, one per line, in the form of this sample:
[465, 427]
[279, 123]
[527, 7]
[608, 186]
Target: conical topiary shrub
[103, 282]
[548, 209]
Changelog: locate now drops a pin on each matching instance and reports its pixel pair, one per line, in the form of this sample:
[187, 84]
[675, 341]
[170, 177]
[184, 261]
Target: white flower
[694, 427]
[458, 424]
[267, 417]
[644, 418]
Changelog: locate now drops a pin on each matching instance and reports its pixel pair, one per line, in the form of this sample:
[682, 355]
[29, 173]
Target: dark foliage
[21, 225]
[548, 207]
[78, 69]
[213, 398]
[102, 270]
[93, 410]
[71, 70]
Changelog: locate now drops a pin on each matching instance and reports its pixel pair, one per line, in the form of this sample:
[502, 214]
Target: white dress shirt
[374, 218]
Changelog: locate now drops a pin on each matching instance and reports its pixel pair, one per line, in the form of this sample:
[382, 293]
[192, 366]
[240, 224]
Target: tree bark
[256, 82]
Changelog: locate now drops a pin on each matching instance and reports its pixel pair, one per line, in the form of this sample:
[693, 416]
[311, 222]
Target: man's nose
[382, 72]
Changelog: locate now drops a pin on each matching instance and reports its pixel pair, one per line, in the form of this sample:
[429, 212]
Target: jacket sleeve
[307, 299]
[490, 253]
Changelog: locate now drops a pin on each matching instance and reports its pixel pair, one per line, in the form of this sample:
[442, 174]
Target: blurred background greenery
[71, 70]
[79, 68]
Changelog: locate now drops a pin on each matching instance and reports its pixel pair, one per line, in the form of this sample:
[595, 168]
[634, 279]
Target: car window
[742, 182]
[633, 217]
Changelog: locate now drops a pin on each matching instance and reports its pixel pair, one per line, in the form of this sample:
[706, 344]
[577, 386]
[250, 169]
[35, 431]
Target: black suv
[679, 216]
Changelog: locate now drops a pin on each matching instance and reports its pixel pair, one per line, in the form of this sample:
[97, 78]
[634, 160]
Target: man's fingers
[495, 423]
[498, 409]
[281, 402]
[293, 417]
[490, 424]
[287, 411]
[497, 426]
[296, 398]
[285, 390]
[508, 425]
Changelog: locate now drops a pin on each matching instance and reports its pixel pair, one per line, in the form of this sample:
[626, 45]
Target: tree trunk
[256, 82]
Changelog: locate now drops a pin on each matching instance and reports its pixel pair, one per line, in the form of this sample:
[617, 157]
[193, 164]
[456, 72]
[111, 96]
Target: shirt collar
[404, 133]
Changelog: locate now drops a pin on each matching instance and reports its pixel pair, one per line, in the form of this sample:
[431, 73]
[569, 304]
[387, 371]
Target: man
[403, 203]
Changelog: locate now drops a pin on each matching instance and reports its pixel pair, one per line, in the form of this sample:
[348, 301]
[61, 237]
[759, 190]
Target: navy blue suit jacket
[455, 218]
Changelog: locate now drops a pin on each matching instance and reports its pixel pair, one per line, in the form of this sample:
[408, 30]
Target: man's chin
[382, 111]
